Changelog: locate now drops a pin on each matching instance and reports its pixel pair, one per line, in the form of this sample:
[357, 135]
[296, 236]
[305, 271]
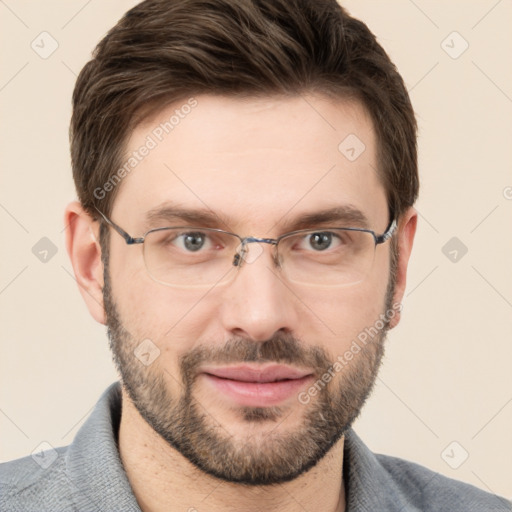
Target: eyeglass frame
[239, 257]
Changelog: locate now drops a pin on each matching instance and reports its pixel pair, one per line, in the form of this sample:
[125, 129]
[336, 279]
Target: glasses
[196, 257]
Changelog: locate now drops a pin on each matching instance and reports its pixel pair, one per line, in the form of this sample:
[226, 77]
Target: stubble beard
[277, 455]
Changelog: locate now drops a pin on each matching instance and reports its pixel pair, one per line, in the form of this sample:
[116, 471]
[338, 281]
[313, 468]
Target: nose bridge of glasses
[242, 253]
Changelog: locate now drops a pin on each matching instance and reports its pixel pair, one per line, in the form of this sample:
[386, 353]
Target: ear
[82, 244]
[406, 232]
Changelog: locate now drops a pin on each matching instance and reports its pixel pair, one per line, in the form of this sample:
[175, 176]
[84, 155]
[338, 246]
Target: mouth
[257, 385]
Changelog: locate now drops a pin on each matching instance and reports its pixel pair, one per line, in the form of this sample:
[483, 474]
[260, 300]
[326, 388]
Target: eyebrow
[340, 216]
[347, 216]
[173, 213]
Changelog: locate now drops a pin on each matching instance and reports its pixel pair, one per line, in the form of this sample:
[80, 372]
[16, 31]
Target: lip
[260, 374]
[257, 386]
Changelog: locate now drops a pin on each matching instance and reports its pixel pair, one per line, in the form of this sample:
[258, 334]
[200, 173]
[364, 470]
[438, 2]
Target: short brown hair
[163, 51]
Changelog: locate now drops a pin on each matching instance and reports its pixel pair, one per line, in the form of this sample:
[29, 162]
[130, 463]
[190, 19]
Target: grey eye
[193, 241]
[320, 241]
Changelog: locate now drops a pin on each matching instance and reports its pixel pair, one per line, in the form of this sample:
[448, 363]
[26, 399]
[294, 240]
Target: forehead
[254, 161]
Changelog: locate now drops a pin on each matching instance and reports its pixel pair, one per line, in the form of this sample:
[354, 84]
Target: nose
[258, 303]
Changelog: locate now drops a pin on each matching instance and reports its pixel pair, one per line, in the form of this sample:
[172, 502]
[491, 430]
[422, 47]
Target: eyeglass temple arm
[380, 239]
[130, 240]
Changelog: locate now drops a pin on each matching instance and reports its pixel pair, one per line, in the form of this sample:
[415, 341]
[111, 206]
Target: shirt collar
[94, 466]
[96, 473]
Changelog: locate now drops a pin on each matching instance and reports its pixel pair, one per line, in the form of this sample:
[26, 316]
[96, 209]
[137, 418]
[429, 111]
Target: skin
[258, 164]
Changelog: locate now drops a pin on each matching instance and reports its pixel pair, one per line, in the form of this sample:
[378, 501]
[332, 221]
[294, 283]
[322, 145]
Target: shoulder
[87, 475]
[36, 482]
[431, 491]
[381, 482]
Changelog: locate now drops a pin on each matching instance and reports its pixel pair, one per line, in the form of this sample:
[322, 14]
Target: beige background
[447, 375]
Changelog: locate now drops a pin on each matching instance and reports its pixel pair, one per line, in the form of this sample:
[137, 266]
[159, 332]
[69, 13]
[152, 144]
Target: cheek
[161, 311]
[337, 317]
[175, 320]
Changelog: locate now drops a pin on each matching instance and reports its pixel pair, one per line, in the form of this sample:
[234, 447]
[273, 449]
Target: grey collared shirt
[88, 476]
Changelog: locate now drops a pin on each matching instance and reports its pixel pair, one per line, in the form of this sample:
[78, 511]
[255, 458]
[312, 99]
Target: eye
[193, 241]
[320, 241]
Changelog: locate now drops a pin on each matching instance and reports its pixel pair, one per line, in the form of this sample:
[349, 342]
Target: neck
[162, 479]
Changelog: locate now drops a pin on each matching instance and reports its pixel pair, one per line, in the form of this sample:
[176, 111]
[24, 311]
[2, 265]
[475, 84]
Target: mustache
[281, 348]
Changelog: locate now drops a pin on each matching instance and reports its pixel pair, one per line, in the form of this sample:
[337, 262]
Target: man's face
[259, 166]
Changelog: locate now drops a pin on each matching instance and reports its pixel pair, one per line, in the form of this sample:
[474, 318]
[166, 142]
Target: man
[246, 174]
